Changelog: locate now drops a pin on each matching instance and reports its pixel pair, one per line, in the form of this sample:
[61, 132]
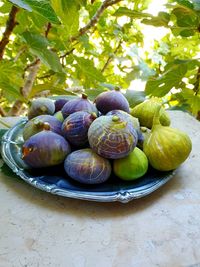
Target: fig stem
[93, 115]
[143, 129]
[43, 108]
[117, 88]
[46, 126]
[84, 96]
[156, 118]
[115, 118]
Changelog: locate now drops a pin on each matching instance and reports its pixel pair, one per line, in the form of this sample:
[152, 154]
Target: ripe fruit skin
[58, 115]
[166, 148]
[75, 127]
[45, 149]
[85, 166]
[145, 113]
[41, 106]
[59, 103]
[132, 167]
[36, 125]
[112, 137]
[78, 104]
[111, 100]
[127, 117]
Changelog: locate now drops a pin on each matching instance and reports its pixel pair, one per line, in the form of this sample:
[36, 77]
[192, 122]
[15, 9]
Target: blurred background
[147, 48]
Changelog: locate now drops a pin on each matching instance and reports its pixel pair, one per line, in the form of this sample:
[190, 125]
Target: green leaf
[38, 46]
[7, 171]
[10, 79]
[22, 4]
[87, 67]
[196, 4]
[48, 86]
[135, 97]
[163, 84]
[195, 104]
[2, 132]
[161, 20]
[67, 11]
[41, 7]
[124, 11]
[186, 3]
[35, 41]
[192, 99]
[185, 17]
[93, 93]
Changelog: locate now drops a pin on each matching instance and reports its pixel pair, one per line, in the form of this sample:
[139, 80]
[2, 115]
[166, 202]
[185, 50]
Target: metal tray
[55, 181]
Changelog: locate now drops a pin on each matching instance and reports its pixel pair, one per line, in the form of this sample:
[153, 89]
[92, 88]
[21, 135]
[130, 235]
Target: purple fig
[112, 137]
[45, 149]
[75, 127]
[59, 103]
[129, 118]
[79, 104]
[36, 125]
[111, 100]
[85, 166]
[41, 106]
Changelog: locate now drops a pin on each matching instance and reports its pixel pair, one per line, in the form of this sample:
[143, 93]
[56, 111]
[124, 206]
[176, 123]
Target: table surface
[162, 229]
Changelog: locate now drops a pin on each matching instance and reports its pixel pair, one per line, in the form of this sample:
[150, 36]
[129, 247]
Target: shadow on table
[84, 208]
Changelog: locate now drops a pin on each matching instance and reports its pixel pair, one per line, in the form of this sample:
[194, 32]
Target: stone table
[162, 229]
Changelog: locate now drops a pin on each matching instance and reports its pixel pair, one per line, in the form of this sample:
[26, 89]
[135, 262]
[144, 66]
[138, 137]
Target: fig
[112, 137]
[85, 166]
[132, 167]
[59, 103]
[166, 148]
[78, 104]
[134, 121]
[58, 115]
[41, 106]
[36, 125]
[75, 127]
[146, 111]
[45, 149]
[111, 100]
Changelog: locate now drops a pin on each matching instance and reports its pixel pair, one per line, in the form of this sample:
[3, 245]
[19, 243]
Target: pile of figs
[92, 140]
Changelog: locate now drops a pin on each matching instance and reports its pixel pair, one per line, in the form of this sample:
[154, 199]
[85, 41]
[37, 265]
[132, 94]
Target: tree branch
[10, 24]
[33, 70]
[28, 84]
[21, 51]
[2, 112]
[197, 83]
[95, 18]
[67, 53]
[16, 108]
[110, 58]
[48, 29]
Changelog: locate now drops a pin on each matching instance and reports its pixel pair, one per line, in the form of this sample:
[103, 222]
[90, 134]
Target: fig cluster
[92, 140]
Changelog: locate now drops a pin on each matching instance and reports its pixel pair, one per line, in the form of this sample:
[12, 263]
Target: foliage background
[58, 47]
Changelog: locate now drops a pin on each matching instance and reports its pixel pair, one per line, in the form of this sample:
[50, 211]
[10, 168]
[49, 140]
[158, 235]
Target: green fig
[166, 148]
[146, 111]
[41, 106]
[132, 167]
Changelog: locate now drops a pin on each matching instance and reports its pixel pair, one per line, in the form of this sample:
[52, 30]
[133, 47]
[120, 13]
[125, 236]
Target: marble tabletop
[162, 229]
